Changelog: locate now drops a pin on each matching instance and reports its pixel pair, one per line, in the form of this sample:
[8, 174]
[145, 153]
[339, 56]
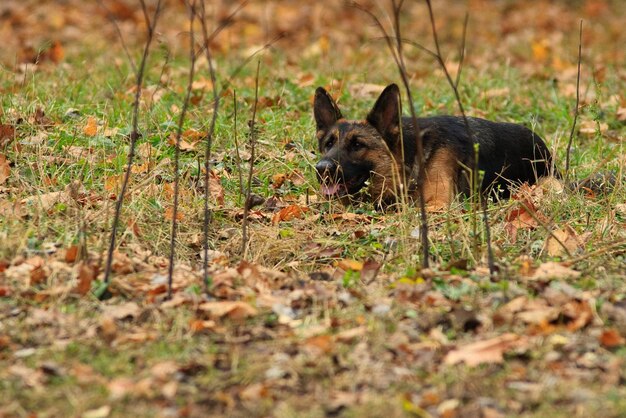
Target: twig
[454, 85]
[246, 204]
[134, 135]
[237, 153]
[209, 142]
[396, 53]
[181, 120]
[571, 134]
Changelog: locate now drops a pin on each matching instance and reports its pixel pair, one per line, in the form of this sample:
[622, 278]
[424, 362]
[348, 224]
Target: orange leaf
[91, 128]
[71, 253]
[288, 213]
[113, 183]
[348, 264]
[610, 338]
[169, 214]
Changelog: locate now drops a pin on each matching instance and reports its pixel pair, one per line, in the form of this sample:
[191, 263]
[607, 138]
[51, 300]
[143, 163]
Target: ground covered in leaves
[329, 312]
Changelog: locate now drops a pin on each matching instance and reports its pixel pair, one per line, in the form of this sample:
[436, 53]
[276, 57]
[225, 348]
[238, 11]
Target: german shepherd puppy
[382, 151]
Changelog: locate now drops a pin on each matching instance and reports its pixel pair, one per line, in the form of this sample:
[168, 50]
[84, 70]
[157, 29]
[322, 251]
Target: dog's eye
[357, 145]
[329, 142]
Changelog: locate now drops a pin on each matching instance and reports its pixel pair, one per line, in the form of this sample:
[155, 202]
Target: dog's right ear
[385, 116]
[325, 111]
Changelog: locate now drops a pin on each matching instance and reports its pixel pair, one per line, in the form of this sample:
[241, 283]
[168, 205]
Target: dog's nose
[325, 168]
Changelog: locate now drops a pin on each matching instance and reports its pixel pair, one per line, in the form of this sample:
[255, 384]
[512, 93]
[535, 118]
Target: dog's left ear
[385, 115]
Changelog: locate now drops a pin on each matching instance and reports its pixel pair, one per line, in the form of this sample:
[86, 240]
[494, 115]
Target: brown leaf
[5, 169]
[365, 90]
[38, 274]
[107, 329]
[568, 237]
[122, 264]
[7, 134]
[87, 273]
[232, 309]
[486, 351]
[579, 312]
[555, 271]
[123, 311]
[215, 188]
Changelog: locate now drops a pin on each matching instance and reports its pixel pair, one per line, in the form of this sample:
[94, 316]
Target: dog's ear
[385, 115]
[325, 111]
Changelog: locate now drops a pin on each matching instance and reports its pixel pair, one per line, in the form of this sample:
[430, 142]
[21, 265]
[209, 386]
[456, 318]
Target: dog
[381, 152]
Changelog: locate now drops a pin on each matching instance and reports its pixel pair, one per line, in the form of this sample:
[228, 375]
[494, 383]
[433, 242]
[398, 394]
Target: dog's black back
[507, 152]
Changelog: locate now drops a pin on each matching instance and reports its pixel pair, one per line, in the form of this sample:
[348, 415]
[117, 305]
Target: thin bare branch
[209, 143]
[236, 139]
[246, 205]
[134, 135]
[192, 48]
[462, 52]
[474, 177]
[396, 53]
[571, 134]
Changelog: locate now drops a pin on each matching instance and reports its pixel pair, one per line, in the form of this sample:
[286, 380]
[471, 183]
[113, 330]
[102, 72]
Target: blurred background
[539, 37]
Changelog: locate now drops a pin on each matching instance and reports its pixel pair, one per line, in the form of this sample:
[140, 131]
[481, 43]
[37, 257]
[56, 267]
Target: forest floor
[328, 312]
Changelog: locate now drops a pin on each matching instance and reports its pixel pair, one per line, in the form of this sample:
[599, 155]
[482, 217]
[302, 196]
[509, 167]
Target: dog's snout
[325, 167]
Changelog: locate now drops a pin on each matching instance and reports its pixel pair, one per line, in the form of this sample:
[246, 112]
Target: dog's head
[357, 151]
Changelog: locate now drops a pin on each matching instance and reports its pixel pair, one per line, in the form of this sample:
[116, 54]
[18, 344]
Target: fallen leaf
[216, 189]
[365, 90]
[611, 338]
[102, 412]
[319, 344]
[91, 127]
[169, 214]
[123, 311]
[554, 271]
[540, 50]
[569, 239]
[486, 351]
[87, 273]
[350, 335]
[288, 213]
[232, 309]
[5, 169]
[348, 264]
[579, 312]
[7, 134]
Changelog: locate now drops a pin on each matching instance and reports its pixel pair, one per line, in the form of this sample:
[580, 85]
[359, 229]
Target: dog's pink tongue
[330, 190]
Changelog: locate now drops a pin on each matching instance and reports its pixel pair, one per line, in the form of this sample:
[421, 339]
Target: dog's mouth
[341, 189]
